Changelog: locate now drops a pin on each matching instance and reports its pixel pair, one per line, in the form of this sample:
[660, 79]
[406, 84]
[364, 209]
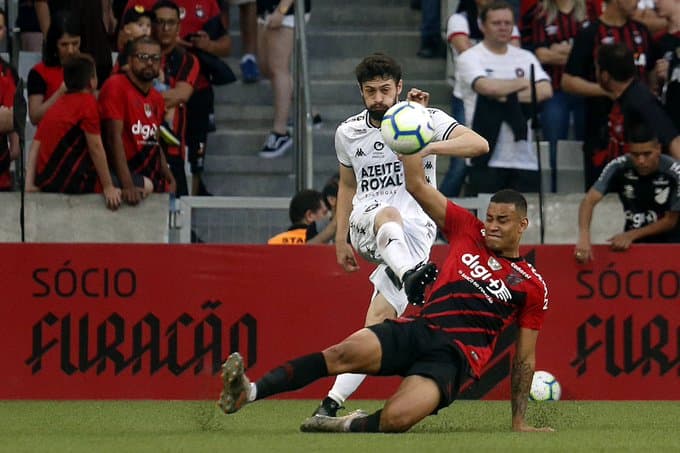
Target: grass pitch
[272, 426]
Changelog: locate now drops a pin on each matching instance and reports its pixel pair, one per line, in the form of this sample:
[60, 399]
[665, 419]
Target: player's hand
[275, 19]
[621, 241]
[112, 196]
[345, 256]
[131, 195]
[583, 252]
[419, 96]
[201, 40]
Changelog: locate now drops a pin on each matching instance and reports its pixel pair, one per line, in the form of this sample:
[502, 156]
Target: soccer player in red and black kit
[484, 286]
[9, 140]
[67, 154]
[132, 111]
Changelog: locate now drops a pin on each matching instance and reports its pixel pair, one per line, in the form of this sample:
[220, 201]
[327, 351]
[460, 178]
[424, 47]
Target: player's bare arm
[461, 142]
[432, 201]
[521, 375]
[347, 187]
[113, 139]
[583, 251]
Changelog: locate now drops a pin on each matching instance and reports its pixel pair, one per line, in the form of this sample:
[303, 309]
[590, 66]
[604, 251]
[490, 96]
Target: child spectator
[136, 22]
[67, 155]
[45, 82]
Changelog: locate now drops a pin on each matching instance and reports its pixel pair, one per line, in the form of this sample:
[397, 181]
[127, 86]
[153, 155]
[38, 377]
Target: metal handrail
[302, 124]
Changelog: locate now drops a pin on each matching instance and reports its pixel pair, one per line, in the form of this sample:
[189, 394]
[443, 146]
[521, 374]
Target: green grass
[127, 426]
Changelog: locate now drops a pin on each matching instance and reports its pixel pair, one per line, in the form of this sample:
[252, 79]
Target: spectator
[67, 154]
[136, 22]
[633, 101]
[668, 60]
[248, 27]
[179, 72]
[327, 226]
[431, 45]
[529, 9]
[646, 13]
[30, 35]
[203, 31]
[647, 184]
[614, 25]
[494, 81]
[9, 140]
[306, 208]
[462, 33]
[95, 24]
[554, 27]
[275, 48]
[45, 82]
[131, 112]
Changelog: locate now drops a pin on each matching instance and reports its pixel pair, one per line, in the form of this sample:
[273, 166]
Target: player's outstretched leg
[416, 280]
[235, 385]
[326, 424]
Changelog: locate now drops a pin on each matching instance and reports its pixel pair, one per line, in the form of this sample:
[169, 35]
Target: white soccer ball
[544, 387]
[407, 127]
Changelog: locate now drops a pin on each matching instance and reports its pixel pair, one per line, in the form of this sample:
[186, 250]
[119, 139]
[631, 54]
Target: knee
[338, 358]
[395, 421]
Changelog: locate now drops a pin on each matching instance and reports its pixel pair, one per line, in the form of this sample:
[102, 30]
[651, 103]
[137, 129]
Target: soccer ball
[407, 127]
[544, 387]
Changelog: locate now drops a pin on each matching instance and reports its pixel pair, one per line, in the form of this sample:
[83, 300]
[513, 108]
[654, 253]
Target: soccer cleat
[416, 280]
[235, 385]
[324, 424]
[328, 407]
[276, 145]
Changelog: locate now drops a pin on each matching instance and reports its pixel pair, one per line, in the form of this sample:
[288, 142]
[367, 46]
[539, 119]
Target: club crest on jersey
[182, 13]
[378, 146]
[199, 11]
[148, 110]
[661, 194]
[519, 72]
[493, 264]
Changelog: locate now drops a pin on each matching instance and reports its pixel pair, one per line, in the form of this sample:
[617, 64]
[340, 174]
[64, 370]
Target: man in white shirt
[385, 224]
[492, 78]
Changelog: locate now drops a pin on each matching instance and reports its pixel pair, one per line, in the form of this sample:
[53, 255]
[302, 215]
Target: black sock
[292, 375]
[370, 424]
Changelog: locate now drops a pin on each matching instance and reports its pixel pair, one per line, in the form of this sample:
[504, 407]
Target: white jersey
[378, 171]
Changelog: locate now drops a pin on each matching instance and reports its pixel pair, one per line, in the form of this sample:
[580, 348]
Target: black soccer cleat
[328, 407]
[417, 279]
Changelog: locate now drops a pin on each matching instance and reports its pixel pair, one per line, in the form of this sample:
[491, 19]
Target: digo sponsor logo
[147, 131]
[494, 286]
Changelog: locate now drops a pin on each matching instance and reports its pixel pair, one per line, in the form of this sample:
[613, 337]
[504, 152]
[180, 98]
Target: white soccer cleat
[325, 424]
[236, 385]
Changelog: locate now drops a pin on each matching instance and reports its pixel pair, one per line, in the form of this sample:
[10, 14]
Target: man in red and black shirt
[67, 154]
[178, 72]
[9, 140]
[132, 111]
[613, 26]
[484, 287]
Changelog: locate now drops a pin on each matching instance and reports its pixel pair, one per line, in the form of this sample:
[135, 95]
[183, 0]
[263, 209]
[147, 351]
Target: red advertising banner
[156, 321]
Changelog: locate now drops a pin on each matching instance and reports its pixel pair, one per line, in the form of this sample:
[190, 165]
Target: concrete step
[248, 142]
[373, 16]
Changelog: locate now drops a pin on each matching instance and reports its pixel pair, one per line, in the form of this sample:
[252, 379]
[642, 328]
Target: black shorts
[412, 348]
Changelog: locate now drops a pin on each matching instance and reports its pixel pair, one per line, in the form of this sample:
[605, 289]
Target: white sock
[253, 392]
[393, 249]
[345, 385]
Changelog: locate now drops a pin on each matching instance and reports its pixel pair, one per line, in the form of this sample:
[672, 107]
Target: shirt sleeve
[532, 314]
[90, 123]
[469, 69]
[603, 183]
[35, 84]
[458, 221]
[442, 123]
[539, 72]
[8, 90]
[110, 104]
[456, 26]
[341, 148]
[580, 61]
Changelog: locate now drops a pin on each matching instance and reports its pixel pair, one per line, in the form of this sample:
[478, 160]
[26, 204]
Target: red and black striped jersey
[563, 28]
[64, 163]
[479, 293]
[45, 80]
[141, 114]
[8, 85]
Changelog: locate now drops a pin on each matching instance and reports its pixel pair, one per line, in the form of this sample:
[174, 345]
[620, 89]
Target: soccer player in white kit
[385, 224]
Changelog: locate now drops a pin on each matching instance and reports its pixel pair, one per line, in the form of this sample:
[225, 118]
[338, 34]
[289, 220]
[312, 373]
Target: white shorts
[239, 2]
[419, 233]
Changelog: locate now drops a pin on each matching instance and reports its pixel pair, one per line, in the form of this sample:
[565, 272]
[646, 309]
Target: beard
[146, 75]
[376, 113]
